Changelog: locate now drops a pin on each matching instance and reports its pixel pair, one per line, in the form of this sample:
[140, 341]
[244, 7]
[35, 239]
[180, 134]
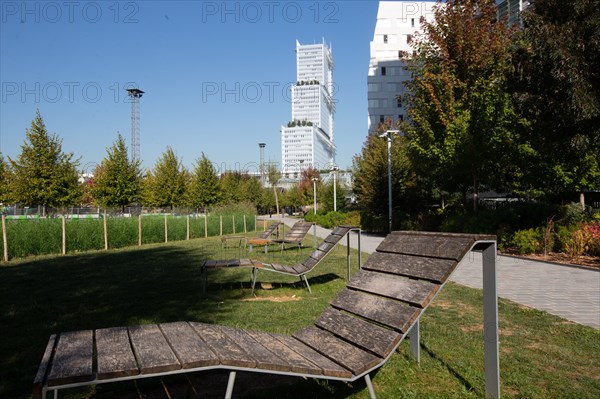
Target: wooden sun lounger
[299, 270]
[264, 238]
[296, 234]
[356, 335]
[303, 268]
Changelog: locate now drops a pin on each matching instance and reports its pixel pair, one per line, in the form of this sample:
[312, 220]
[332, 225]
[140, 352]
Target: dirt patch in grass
[472, 328]
[273, 298]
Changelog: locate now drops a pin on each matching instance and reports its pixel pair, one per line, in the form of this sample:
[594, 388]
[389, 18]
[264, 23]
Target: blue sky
[216, 74]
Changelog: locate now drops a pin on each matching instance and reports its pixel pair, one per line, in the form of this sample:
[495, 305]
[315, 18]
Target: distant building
[511, 10]
[307, 139]
[397, 24]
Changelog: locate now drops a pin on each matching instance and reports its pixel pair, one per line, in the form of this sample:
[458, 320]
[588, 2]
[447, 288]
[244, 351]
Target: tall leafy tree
[274, 176]
[328, 199]
[231, 185]
[557, 87]
[292, 197]
[204, 188]
[43, 174]
[462, 120]
[252, 190]
[371, 177]
[306, 188]
[117, 180]
[4, 181]
[167, 183]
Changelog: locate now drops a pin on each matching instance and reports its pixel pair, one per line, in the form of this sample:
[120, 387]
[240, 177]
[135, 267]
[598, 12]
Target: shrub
[594, 232]
[572, 214]
[332, 219]
[528, 241]
[584, 240]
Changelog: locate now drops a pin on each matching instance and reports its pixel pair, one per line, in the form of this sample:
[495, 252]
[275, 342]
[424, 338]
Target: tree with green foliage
[204, 188]
[167, 183]
[370, 182]
[5, 179]
[274, 175]
[252, 190]
[43, 174]
[556, 84]
[117, 180]
[231, 182]
[291, 198]
[327, 197]
[462, 120]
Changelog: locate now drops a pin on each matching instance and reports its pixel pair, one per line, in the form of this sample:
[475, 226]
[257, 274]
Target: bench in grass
[352, 338]
[298, 270]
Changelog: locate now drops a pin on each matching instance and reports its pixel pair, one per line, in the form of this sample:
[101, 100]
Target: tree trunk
[582, 200]
[276, 200]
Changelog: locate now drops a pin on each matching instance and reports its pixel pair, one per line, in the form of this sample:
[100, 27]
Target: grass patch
[541, 355]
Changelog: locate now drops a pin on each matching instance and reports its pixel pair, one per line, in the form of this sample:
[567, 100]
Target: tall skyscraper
[397, 23]
[307, 140]
[511, 10]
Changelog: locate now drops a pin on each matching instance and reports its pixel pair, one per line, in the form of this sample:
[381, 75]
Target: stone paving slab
[569, 292]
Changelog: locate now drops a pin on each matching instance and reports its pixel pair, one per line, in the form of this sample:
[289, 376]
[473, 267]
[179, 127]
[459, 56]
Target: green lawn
[542, 356]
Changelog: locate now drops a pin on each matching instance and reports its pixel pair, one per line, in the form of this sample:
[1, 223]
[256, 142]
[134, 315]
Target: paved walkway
[569, 292]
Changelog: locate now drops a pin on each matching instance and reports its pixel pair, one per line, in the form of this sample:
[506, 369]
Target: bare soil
[563, 259]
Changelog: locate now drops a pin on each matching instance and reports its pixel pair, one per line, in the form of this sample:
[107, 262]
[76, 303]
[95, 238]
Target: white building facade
[397, 24]
[511, 10]
[307, 140]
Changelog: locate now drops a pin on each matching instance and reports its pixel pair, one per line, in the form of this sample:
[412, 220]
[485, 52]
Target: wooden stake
[220, 225]
[205, 225]
[187, 236]
[105, 233]
[233, 222]
[166, 229]
[4, 238]
[64, 236]
[140, 231]
[245, 230]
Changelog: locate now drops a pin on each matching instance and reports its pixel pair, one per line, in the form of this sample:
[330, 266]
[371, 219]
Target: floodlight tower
[262, 162]
[135, 95]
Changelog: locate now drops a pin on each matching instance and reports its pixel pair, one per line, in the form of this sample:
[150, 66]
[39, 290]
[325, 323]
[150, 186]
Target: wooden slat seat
[299, 270]
[343, 353]
[264, 238]
[296, 234]
[190, 351]
[362, 333]
[357, 334]
[72, 360]
[388, 312]
[115, 355]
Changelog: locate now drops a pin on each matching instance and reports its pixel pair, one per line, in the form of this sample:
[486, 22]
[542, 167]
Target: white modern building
[397, 24]
[511, 10]
[307, 139]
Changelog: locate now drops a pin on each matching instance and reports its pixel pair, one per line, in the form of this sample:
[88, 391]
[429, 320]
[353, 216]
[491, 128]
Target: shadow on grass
[96, 290]
[263, 278]
[153, 284]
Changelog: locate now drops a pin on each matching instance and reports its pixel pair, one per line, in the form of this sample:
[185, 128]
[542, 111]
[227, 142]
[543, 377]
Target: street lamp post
[388, 134]
[334, 169]
[315, 180]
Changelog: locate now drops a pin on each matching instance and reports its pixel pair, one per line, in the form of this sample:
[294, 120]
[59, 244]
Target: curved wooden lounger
[356, 335]
[299, 270]
[295, 235]
[303, 268]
